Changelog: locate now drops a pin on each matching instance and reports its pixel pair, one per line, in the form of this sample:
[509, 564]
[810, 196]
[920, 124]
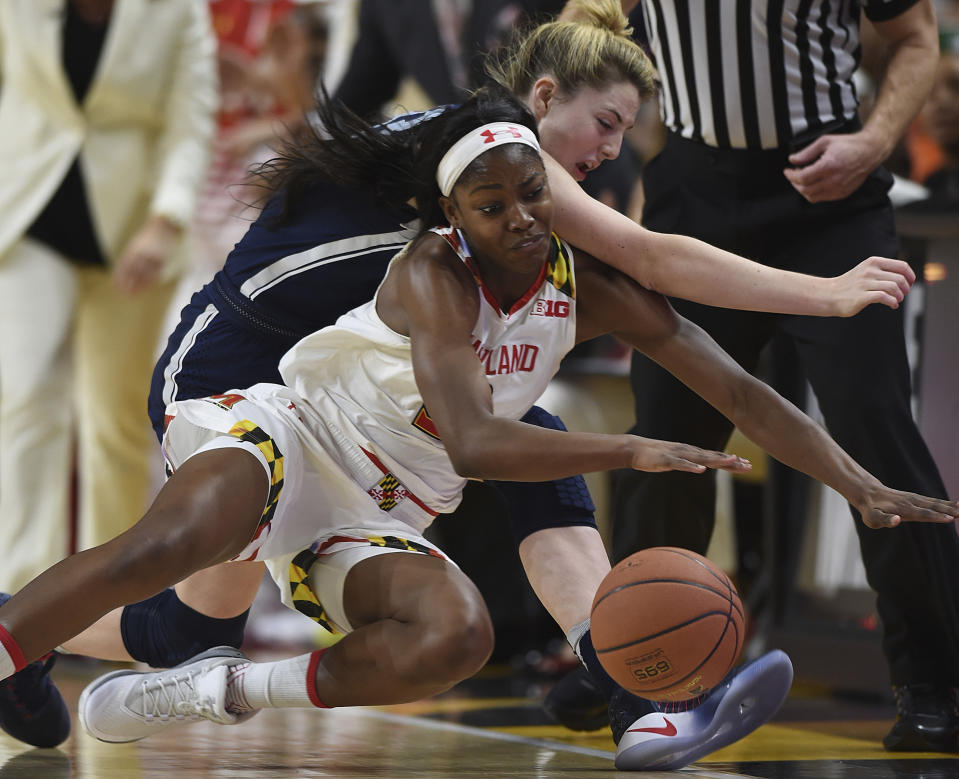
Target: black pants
[857, 366]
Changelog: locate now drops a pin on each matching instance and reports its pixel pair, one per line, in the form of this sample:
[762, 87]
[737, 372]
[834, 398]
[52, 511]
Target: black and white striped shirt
[756, 73]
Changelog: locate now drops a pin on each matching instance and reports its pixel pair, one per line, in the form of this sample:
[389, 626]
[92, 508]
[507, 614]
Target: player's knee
[458, 642]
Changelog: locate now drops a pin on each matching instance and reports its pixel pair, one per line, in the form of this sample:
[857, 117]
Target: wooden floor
[489, 727]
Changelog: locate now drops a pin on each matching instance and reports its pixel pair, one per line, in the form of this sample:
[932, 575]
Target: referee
[766, 157]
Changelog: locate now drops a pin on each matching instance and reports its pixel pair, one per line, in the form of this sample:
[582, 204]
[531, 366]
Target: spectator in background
[439, 43]
[269, 55]
[106, 115]
[940, 117]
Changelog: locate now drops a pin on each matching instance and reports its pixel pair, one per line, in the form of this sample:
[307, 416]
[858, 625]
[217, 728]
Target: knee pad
[539, 505]
[162, 631]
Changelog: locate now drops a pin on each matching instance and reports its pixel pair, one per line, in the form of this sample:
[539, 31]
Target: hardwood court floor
[490, 727]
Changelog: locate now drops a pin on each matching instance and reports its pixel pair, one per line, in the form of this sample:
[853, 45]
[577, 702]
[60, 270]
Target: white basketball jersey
[358, 375]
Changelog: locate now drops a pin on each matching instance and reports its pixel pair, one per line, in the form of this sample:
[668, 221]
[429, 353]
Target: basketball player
[584, 83]
[331, 478]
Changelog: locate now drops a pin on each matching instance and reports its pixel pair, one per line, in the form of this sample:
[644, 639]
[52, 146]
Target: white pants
[76, 357]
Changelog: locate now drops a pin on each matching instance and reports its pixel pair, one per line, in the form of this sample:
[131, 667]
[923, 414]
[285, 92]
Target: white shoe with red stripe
[746, 699]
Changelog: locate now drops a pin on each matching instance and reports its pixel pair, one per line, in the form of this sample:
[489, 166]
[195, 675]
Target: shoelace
[175, 696]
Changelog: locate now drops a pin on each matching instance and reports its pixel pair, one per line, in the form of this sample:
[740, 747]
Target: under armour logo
[490, 135]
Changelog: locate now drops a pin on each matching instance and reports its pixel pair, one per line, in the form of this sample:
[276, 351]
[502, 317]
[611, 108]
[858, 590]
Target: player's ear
[542, 95]
[450, 211]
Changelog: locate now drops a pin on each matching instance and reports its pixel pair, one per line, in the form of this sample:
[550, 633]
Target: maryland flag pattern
[559, 269]
[387, 492]
[303, 596]
[250, 432]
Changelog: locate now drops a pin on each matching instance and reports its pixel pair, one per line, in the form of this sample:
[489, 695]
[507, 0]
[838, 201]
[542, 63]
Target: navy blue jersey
[327, 259]
[280, 283]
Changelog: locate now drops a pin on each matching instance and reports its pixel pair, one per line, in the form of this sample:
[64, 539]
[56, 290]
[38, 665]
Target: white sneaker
[746, 699]
[129, 705]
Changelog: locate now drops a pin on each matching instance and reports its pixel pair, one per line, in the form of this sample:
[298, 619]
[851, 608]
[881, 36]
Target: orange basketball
[667, 624]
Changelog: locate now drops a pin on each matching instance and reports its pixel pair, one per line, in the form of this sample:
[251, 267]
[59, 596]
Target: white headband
[473, 144]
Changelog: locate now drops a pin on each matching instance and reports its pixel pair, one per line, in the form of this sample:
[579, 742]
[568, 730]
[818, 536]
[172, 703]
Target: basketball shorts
[323, 514]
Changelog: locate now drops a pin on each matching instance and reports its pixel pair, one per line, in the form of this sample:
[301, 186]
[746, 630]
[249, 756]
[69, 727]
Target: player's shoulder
[432, 259]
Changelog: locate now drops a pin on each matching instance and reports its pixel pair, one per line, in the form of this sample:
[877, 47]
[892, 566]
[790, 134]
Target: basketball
[667, 624]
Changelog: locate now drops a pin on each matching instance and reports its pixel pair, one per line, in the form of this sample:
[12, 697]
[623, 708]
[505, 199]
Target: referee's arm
[834, 166]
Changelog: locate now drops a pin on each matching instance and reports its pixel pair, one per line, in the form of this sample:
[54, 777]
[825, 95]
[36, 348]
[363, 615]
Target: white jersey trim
[333, 251]
[175, 365]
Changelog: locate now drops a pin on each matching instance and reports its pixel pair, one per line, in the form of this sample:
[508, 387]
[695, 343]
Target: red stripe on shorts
[376, 461]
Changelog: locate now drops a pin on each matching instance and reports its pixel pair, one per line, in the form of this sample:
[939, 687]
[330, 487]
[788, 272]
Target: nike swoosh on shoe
[669, 729]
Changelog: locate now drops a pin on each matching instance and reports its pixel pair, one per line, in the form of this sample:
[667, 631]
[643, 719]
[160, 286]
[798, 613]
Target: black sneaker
[576, 702]
[927, 720]
[624, 709]
[31, 707]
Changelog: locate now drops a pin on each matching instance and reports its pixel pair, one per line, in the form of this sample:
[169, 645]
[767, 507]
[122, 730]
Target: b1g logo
[650, 666]
[543, 307]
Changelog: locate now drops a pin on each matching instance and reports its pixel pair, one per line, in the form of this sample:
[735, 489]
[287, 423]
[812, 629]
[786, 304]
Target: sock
[289, 683]
[581, 640]
[624, 707]
[674, 707]
[11, 658]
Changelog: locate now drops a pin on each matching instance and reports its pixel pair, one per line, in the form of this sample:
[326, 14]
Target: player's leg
[565, 566]
[206, 513]
[565, 560]
[207, 609]
[414, 626]
[417, 626]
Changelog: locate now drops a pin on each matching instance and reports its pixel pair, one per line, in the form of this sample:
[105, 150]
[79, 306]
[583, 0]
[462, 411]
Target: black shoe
[927, 720]
[624, 709]
[31, 707]
[576, 702]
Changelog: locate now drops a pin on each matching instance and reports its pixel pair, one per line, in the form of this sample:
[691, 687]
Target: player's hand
[833, 166]
[144, 257]
[654, 456]
[876, 280]
[886, 507]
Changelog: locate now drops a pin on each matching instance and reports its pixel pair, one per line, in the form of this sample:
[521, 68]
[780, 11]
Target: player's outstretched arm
[886, 507]
[432, 298]
[684, 267]
[609, 303]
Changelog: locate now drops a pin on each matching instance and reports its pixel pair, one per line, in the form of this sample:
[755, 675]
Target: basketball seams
[673, 628]
[726, 596]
